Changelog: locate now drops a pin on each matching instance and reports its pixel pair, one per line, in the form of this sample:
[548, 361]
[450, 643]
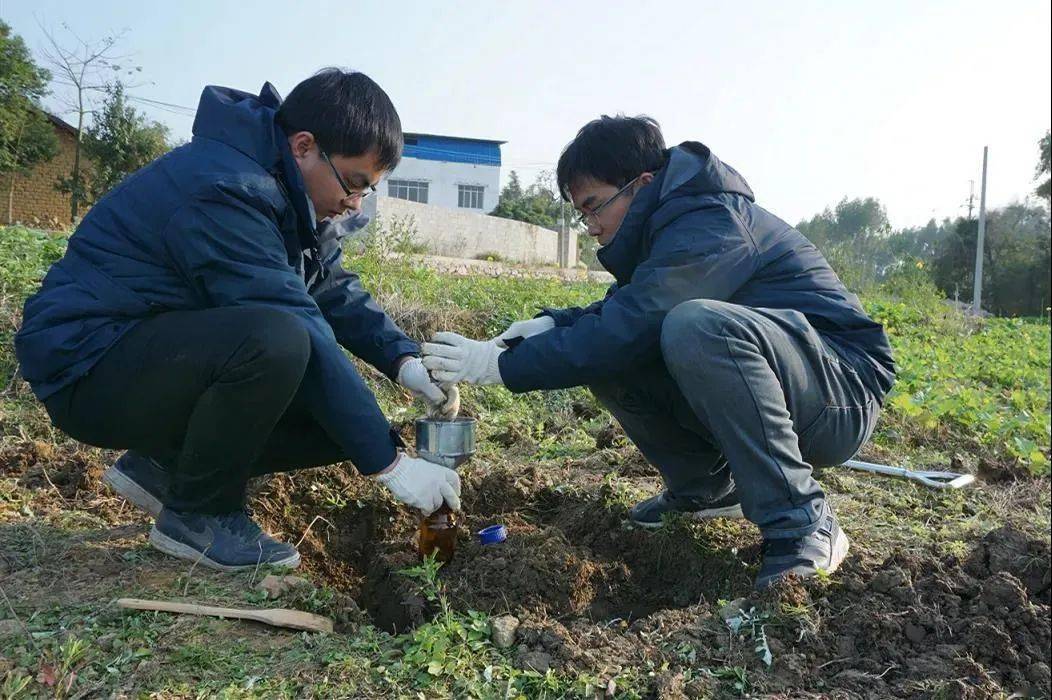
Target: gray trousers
[746, 400]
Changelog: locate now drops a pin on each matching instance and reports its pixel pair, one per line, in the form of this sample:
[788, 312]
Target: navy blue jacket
[695, 233]
[221, 221]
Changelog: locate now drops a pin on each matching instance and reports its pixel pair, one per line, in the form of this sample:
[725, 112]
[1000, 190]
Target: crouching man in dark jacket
[197, 316]
[728, 349]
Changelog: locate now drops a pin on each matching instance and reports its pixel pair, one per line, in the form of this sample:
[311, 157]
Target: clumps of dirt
[567, 554]
[994, 468]
[16, 458]
[625, 461]
[596, 594]
[41, 466]
[585, 410]
[493, 493]
[610, 435]
[350, 534]
[514, 438]
[914, 626]
[921, 625]
[1009, 550]
[536, 569]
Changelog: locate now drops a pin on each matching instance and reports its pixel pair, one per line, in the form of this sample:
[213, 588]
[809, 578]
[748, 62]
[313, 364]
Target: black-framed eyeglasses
[347, 191]
[583, 217]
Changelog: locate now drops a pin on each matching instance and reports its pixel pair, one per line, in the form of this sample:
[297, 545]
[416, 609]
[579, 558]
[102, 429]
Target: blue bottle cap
[494, 534]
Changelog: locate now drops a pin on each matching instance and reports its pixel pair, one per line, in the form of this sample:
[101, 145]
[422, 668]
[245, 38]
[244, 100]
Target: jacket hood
[242, 121]
[246, 123]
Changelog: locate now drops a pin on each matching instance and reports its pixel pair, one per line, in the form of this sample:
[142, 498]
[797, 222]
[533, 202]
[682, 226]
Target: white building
[449, 184]
[447, 171]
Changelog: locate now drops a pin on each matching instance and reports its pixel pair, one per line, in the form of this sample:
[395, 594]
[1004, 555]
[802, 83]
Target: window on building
[470, 196]
[413, 190]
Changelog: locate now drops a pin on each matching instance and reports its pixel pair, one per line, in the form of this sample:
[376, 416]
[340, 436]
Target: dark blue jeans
[747, 400]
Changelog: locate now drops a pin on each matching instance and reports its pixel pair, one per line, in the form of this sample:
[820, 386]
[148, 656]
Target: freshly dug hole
[567, 554]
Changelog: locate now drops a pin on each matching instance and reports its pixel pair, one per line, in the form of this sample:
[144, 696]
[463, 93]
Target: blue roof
[452, 149]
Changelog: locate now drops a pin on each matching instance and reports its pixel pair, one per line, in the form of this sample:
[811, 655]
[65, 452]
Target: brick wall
[36, 202]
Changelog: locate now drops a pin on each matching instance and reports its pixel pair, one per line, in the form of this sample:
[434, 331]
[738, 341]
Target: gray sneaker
[649, 513]
[823, 549]
[141, 480]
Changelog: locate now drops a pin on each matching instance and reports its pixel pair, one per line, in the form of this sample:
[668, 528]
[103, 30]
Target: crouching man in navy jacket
[197, 316]
[728, 349]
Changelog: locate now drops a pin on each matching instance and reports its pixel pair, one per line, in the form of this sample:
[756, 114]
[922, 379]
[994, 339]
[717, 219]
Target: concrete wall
[463, 234]
[35, 200]
[476, 268]
[444, 177]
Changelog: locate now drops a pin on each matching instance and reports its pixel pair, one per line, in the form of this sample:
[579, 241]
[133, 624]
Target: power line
[165, 106]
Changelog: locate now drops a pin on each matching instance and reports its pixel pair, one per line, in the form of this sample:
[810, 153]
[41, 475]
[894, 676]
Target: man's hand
[454, 358]
[525, 329]
[421, 484]
[413, 376]
[451, 408]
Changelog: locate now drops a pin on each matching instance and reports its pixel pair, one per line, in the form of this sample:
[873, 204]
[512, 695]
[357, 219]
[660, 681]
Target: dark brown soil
[595, 594]
[38, 465]
[593, 591]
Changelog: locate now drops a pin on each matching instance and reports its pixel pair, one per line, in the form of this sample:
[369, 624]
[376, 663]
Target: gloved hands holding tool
[421, 484]
[442, 401]
[525, 329]
[453, 358]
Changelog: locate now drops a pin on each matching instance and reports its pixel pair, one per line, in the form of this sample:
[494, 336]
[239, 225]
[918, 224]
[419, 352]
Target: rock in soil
[277, 586]
[502, 630]
[534, 660]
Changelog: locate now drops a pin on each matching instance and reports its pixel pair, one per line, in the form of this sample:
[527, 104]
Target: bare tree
[83, 68]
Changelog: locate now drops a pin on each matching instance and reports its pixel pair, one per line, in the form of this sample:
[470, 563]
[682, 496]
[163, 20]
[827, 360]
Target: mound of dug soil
[911, 627]
[565, 555]
[597, 595]
[970, 628]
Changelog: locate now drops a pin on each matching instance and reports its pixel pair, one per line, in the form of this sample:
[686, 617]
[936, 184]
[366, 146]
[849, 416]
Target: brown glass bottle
[438, 534]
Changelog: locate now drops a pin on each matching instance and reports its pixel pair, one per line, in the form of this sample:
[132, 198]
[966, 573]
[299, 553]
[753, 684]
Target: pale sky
[810, 101]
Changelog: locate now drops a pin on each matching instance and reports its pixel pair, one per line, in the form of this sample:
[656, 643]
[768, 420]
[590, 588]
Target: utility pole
[977, 297]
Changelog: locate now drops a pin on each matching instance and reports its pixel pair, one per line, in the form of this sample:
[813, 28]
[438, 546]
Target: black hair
[348, 114]
[612, 150]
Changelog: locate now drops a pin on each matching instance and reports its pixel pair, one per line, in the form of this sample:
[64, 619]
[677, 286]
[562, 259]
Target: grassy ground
[935, 583]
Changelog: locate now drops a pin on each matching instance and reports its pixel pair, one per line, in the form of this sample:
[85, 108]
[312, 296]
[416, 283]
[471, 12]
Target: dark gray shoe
[139, 479]
[228, 542]
[824, 549]
[649, 513]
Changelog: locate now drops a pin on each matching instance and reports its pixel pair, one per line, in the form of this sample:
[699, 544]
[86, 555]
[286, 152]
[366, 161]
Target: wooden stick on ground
[278, 617]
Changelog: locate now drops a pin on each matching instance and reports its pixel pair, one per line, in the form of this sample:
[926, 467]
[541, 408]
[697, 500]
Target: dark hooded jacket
[224, 220]
[695, 232]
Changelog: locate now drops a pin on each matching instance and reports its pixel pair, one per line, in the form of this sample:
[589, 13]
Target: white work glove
[451, 408]
[453, 358]
[421, 484]
[414, 377]
[525, 329]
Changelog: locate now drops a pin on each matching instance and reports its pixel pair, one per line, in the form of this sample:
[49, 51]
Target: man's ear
[301, 143]
[645, 179]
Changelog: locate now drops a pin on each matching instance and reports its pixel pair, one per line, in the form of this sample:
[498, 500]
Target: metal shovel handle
[933, 479]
